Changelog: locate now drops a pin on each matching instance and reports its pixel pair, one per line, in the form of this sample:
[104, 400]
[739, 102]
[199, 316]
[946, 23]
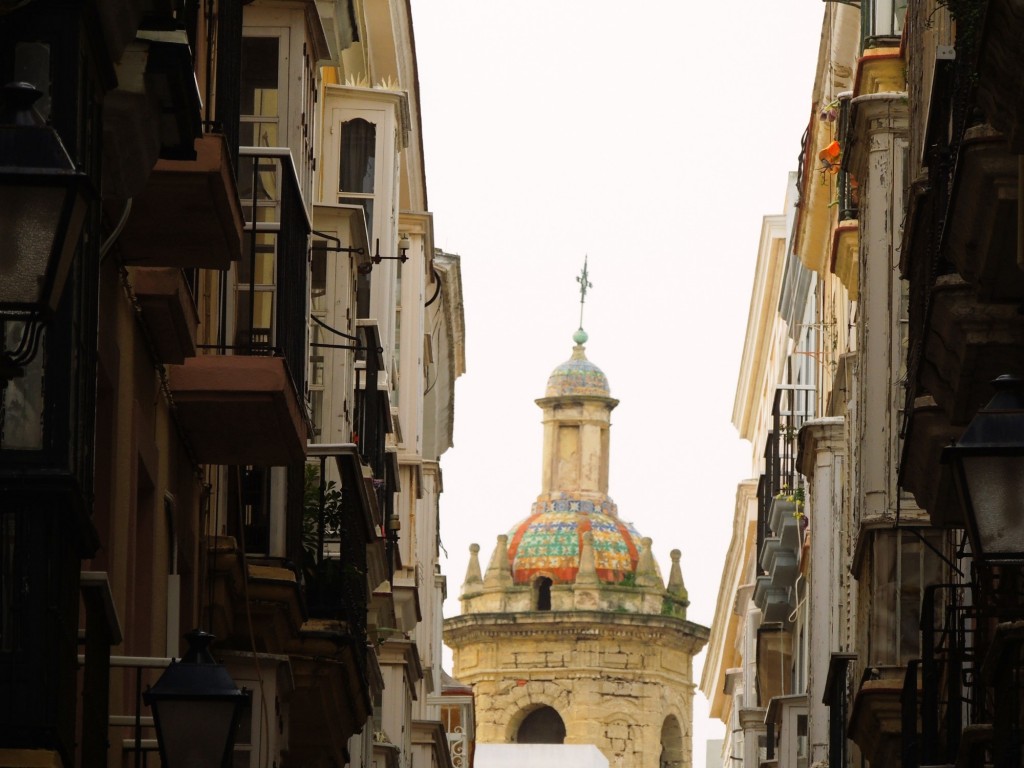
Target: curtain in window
[358, 150]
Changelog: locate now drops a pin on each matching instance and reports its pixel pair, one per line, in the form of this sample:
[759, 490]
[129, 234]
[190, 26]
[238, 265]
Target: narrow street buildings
[227, 423]
[860, 617]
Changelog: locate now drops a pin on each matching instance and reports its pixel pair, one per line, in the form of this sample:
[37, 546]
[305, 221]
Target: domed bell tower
[571, 635]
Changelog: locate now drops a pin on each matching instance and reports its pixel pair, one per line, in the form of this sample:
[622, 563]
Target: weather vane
[585, 283]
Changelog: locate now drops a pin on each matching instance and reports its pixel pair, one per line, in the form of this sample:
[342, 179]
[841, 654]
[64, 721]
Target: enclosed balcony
[774, 662]
[188, 214]
[929, 430]
[876, 720]
[786, 722]
[1001, 69]
[773, 601]
[331, 701]
[967, 344]
[981, 228]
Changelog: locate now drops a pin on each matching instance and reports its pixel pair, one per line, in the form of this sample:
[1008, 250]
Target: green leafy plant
[628, 580]
[332, 512]
[795, 495]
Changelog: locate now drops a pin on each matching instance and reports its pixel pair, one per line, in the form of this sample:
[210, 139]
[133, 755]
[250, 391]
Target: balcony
[244, 408]
[967, 344]
[786, 721]
[880, 70]
[922, 473]
[981, 235]
[154, 112]
[876, 720]
[344, 537]
[256, 602]
[331, 700]
[1001, 69]
[846, 256]
[168, 311]
[188, 214]
[771, 600]
[239, 410]
[774, 661]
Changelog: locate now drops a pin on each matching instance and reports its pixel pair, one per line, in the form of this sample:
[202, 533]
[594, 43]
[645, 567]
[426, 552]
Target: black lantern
[988, 470]
[196, 706]
[43, 202]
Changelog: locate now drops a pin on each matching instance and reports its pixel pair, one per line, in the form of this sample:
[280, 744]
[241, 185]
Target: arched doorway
[542, 726]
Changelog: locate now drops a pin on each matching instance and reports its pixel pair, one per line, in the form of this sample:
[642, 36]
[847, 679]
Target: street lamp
[43, 200]
[988, 471]
[196, 706]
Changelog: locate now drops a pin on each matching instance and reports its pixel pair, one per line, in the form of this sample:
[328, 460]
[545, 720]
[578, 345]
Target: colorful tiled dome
[548, 543]
[577, 375]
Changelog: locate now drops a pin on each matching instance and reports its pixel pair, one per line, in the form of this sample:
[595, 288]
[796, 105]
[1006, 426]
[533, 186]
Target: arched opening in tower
[542, 726]
[671, 743]
[542, 594]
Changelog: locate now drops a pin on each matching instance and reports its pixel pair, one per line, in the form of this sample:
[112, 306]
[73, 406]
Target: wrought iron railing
[952, 109]
[341, 520]
[948, 673]
[792, 406]
[847, 193]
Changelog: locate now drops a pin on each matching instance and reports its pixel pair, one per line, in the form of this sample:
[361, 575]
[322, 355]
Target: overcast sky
[651, 136]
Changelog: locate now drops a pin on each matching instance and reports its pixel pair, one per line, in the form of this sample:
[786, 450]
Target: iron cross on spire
[585, 283]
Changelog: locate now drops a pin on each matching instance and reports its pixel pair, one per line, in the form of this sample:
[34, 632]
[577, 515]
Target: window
[264, 73]
[365, 132]
[248, 513]
[261, 78]
[903, 562]
[542, 594]
[358, 165]
[254, 292]
[882, 19]
[318, 278]
[318, 307]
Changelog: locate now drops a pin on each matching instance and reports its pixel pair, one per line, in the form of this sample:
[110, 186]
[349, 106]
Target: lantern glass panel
[195, 733]
[21, 398]
[995, 485]
[31, 220]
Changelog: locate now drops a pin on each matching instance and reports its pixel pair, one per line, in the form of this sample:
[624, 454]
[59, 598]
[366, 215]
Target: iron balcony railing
[341, 523]
[846, 192]
[792, 406]
[964, 698]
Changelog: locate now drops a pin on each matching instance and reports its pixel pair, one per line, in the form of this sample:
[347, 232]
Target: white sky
[653, 136]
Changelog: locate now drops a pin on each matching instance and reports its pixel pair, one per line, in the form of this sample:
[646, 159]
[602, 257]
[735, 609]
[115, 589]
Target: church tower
[571, 635]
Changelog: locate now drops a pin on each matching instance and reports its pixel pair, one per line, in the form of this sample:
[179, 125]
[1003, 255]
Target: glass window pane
[358, 156]
[910, 595]
[883, 600]
[264, 315]
[260, 75]
[316, 407]
[263, 335]
[318, 274]
[265, 261]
